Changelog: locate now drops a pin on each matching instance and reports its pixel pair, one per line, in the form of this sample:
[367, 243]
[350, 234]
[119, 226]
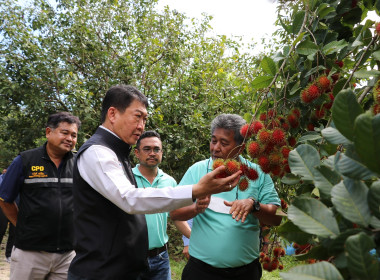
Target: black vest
[45, 218]
[109, 243]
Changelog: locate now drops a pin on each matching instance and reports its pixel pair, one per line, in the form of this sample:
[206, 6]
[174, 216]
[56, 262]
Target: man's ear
[111, 114]
[48, 130]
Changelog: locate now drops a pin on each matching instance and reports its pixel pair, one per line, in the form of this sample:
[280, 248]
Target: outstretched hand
[240, 208]
[209, 184]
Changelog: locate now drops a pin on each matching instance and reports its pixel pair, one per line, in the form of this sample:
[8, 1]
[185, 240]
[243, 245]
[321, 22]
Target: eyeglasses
[147, 150]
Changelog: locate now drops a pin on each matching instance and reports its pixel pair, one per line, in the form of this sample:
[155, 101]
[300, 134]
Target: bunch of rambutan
[376, 97]
[232, 166]
[270, 148]
[271, 261]
[315, 89]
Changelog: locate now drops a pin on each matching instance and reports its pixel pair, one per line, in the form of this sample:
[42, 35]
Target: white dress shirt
[101, 169]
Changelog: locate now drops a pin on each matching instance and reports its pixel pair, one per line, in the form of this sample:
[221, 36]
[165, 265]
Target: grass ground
[177, 266]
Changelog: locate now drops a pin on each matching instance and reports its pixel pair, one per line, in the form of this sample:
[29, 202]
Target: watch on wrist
[256, 205]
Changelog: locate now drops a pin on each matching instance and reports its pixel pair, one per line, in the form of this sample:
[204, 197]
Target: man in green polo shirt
[148, 151]
[224, 242]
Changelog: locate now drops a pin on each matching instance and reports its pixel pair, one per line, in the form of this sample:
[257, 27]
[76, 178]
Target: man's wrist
[255, 205]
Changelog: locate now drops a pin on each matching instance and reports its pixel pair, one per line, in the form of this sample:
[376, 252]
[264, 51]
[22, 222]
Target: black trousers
[198, 270]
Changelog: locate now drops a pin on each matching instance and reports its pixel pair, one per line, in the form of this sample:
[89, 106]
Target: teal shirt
[216, 238]
[156, 223]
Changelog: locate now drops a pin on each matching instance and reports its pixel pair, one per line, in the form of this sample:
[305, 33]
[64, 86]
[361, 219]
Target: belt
[156, 251]
[224, 271]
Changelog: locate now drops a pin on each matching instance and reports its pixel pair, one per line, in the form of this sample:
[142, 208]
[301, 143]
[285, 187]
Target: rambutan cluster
[376, 97]
[315, 89]
[268, 145]
[232, 166]
[271, 261]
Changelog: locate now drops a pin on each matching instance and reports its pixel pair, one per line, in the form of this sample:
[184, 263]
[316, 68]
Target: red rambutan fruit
[275, 158]
[278, 136]
[245, 132]
[305, 97]
[285, 151]
[329, 104]
[253, 149]
[293, 120]
[320, 113]
[264, 136]
[282, 253]
[377, 28]
[263, 117]
[262, 255]
[267, 259]
[243, 184]
[276, 252]
[276, 170]
[271, 113]
[280, 267]
[266, 266]
[267, 149]
[232, 166]
[244, 168]
[252, 174]
[292, 141]
[310, 127]
[323, 82]
[284, 205]
[335, 77]
[339, 63]
[296, 112]
[217, 162]
[264, 163]
[376, 109]
[255, 127]
[313, 92]
[274, 264]
[285, 126]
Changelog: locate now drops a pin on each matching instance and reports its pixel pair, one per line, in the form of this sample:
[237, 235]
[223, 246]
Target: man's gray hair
[231, 122]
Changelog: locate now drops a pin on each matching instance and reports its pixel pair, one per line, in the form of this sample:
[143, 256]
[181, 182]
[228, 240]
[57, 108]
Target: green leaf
[334, 46]
[268, 65]
[313, 217]
[297, 22]
[339, 86]
[337, 245]
[376, 55]
[315, 271]
[374, 199]
[292, 233]
[333, 136]
[290, 179]
[327, 180]
[309, 137]
[307, 48]
[262, 81]
[360, 263]
[302, 161]
[352, 168]
[324, 10]
[350, 199]
[366, 74]
[367, 140]
[345, 109]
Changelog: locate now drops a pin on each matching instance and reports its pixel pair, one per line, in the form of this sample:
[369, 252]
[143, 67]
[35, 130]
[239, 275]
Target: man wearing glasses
[148, 151]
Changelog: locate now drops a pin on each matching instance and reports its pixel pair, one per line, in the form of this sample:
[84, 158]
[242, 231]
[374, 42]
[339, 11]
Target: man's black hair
[55, 119]
[120, 97]
[147, 134]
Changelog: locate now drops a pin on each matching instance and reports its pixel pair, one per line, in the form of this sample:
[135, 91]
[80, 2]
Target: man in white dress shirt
[109, 225]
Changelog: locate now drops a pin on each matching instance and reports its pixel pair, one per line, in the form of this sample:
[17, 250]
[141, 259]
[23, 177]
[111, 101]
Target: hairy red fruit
[276, 170]
[377, 28]
[282, 252]
[266, 266]
[273, 124]
[286, 166]
[280, 267]
[335, 77]
[252, 174]
[263, 117]
[245, 132]
[267, 259]
[285, 126]
[264, 136]
[323, 82]
[313, 92]
[284, 205]
[262, 255]
[329, 105]
[278, 136]
[310, 127]
[305, 97]
[285, 151]
[271, 113]
[253, 149]
[354, 85]
[292, 141]
[276, 252]
[244, 168]
[293, 120]
[320, 113]
[296, 112]
[268, 149]
[255, 127]
[264, 163]
[232, 166]
[376, 109]
[339, 63]
[243, 185]
[217, 162]
[275, 158]
[222, 174]
[274, 264]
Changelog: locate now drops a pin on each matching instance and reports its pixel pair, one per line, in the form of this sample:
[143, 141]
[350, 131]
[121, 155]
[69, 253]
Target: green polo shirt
[216, 238]
[156, 223]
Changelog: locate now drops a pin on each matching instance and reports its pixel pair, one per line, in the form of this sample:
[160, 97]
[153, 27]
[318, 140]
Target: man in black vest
[43, 179]
[111, 240]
